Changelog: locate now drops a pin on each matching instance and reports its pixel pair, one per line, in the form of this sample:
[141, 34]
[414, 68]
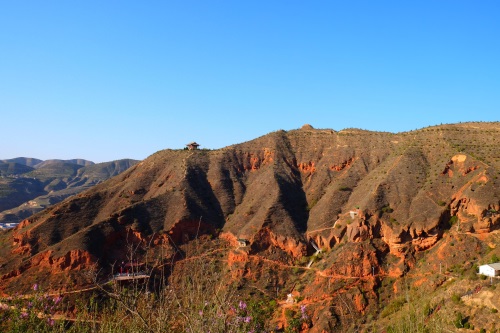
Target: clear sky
[104, 80]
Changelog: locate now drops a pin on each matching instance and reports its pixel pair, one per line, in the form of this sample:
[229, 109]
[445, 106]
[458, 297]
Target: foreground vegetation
[198, 299]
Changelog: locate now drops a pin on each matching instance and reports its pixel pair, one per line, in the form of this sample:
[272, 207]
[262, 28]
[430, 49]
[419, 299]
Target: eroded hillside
[372, 202]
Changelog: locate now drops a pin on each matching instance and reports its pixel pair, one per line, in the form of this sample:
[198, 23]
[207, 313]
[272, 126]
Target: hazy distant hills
[31, 162]
[28, 185]
[12, 168]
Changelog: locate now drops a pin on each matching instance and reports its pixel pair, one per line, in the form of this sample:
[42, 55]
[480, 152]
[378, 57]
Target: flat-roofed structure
[491, 270]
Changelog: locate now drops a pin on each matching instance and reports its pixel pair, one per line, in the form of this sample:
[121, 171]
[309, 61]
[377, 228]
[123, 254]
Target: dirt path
[323, 229]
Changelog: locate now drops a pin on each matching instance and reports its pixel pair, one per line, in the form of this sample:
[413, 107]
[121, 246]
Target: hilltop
[387, 211]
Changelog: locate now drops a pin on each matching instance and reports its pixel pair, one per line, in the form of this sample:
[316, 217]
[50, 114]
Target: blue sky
[103, 80]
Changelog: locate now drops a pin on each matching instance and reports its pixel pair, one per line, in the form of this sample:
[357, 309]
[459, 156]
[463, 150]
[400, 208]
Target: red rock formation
[307, 167]
[343, 165]
[447, 169]
[358, 231]
[266, 238]
[72, 260]
[470, 169]
[20, 242]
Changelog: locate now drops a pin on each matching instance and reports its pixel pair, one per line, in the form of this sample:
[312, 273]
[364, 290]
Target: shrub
[392, 307]
[459, 320]
[387, 209]
[427, 310]
[456, 298]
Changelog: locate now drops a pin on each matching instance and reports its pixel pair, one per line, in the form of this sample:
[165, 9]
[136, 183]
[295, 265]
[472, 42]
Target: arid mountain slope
[371, 200]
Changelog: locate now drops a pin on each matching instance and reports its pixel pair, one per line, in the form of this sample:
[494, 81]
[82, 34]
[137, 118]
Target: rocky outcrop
[345, 164]
[306, 167]
[72, 260]
[266, 238]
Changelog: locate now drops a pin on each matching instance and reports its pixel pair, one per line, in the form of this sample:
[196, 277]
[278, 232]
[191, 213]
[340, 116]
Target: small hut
[354, 213]
[192, 146]
[491, 270]
[243, 242]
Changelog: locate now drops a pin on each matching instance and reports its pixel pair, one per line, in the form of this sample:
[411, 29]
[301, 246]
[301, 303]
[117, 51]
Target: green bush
[459, 320]
[456, 298]
[387, 209]
[427, 310]
[393, 307]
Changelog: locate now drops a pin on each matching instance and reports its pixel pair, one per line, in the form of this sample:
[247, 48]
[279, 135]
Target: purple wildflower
[24, 314]
[242, 305]
[303, 311]
[200, 313]
[50, 321]
[57, 300]
[247, 319]
[35, 287]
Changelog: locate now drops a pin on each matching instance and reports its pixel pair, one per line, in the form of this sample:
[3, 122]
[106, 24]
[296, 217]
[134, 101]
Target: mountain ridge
[374, 202]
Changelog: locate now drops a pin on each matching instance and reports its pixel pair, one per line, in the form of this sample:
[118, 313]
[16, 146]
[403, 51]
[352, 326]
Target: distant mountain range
[29, 185]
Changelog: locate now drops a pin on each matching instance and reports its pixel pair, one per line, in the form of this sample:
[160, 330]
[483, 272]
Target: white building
[490, 269]
[243, 242]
